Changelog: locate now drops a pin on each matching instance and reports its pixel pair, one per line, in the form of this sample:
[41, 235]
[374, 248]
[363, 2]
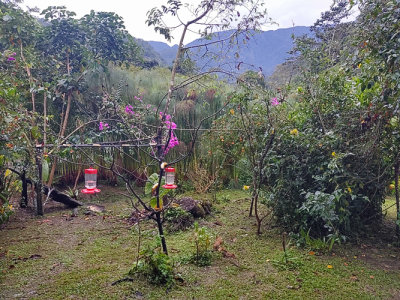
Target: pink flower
[138, 98]
[274, 102]
[129, 110]
[103, 126]
[172, 143]
[167, 117]
[170, 125]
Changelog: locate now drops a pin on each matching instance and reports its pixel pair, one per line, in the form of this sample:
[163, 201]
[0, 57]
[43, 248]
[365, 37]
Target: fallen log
[61, 197]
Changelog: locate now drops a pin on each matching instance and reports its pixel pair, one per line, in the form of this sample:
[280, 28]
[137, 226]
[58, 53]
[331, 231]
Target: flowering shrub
[6, 210]
[103, 126]
[171, 126]
[327, 175]
[275, 102]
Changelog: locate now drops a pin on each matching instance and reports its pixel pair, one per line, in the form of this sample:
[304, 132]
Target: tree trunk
[396, 189]
[254, 192]
[259, 220]
[44, 120]
[39, 204]
[161, 232]
[251, 205]
[24, 194]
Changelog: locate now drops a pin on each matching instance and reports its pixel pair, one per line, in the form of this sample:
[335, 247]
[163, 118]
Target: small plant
[73, 193]
[203, 255]
[154, 264]
[6, 210]
[224, 199]
[287, 261]
[324, 244]
[177, 219]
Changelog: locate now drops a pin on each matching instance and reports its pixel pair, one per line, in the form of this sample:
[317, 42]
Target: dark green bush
[327, 174]
[177, 219]
[154, 265]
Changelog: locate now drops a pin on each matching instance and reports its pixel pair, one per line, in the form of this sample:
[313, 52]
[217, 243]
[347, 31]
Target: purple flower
[129, 110]
[11, 58]
[103, 126]
[274, 102]
[170, 125]
[172, 143]
[138, 98]
[167, 117]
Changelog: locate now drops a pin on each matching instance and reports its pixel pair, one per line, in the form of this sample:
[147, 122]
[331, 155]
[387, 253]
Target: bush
[154, 265]
[331, 178]
[6, 211]
[178, 219]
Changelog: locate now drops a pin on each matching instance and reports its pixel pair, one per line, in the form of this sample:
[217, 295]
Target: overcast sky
[285, 12]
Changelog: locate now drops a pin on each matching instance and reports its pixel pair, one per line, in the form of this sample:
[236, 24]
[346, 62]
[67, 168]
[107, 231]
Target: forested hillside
[265, 49]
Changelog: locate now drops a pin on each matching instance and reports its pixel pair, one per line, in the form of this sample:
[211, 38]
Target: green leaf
[153, 202]
[35, 132]
[151, 181]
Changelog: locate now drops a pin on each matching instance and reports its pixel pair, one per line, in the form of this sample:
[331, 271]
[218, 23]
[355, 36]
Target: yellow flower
[10, 207]
[246, 187]
[334, 154]
[329, 266]
[7, 173]
[349, 189]
[294, 132]
[232, 111]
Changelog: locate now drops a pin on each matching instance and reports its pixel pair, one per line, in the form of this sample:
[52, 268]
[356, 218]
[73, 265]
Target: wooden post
[39, 161]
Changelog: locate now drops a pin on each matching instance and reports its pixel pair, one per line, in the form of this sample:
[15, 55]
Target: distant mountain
[263, 50]
[149, 53]
[168, 53]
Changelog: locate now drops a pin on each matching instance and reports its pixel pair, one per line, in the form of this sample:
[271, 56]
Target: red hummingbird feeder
[169, 179]
[90, 182]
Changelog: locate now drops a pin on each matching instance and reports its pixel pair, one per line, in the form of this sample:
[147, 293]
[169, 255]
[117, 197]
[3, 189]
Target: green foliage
[203, 255]
[154, 265]
[5, 192]
[287, 261]
[177, 219]
[324, 244]
[323, 157]
[6, 211]
[151, 189]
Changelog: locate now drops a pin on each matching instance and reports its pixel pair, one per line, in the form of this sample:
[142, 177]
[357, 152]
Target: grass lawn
[60, 257]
